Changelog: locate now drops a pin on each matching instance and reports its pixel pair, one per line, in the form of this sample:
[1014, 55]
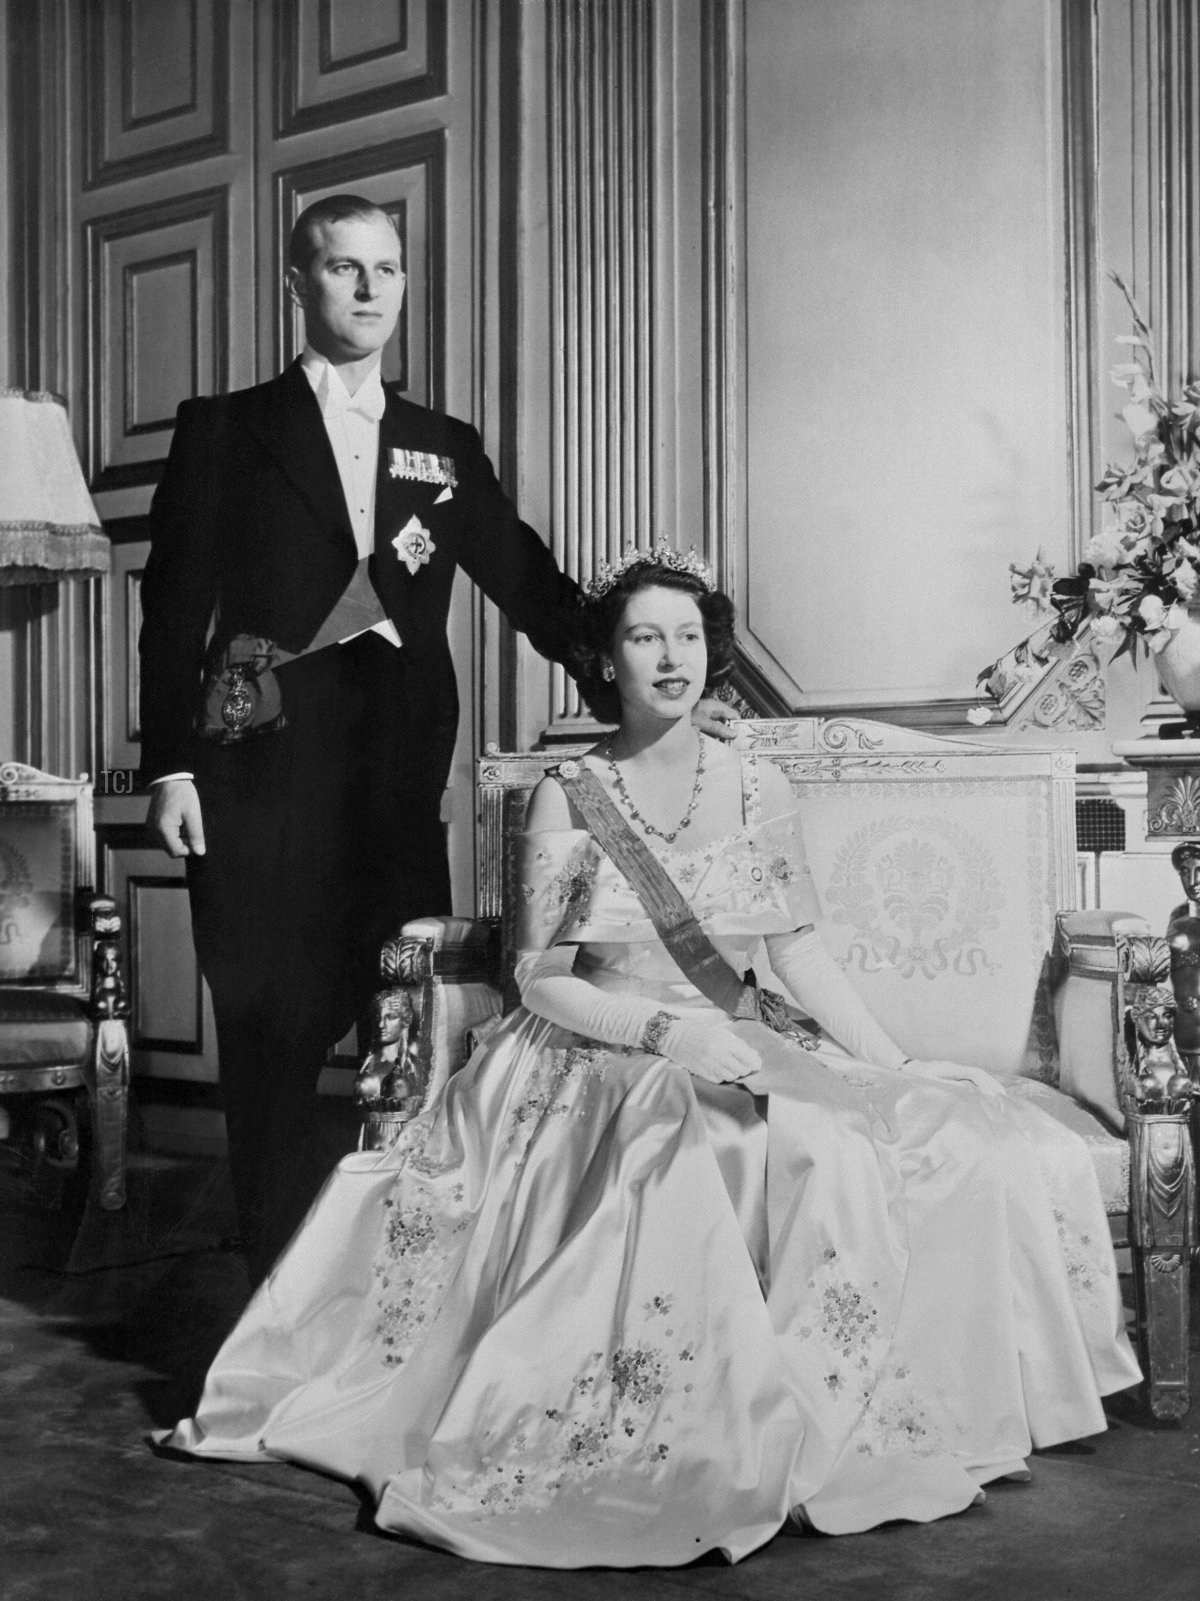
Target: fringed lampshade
[48, 526]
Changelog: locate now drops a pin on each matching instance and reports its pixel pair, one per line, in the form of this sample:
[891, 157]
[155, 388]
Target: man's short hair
[1188, 850]
[305, 242]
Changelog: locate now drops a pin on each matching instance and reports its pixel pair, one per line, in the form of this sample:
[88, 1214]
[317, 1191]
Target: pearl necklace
[627, 800]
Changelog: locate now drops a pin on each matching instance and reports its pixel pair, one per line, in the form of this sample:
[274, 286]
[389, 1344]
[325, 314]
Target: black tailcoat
[250, 520]
[324, 835]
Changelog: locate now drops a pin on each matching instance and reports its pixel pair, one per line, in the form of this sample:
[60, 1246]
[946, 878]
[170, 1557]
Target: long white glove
[820, 988]
[551, 989]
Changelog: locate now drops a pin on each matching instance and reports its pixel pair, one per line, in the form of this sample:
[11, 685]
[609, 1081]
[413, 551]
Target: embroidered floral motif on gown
[591, 1310]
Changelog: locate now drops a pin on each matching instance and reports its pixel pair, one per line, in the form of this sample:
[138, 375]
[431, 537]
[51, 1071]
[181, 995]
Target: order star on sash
[414, 545]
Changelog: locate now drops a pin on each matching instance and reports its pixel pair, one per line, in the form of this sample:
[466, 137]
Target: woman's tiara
[660, 555]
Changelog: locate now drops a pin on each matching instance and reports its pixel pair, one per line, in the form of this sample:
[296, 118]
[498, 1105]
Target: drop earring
[608, 672]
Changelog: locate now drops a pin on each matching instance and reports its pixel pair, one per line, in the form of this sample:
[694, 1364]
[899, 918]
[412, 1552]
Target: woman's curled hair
[600, 615]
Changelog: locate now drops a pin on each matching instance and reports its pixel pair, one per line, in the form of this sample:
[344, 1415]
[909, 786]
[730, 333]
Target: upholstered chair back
[941, 864]
[46, 854]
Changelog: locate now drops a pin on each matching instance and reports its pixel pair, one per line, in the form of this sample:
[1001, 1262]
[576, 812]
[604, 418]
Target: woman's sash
[674, 921]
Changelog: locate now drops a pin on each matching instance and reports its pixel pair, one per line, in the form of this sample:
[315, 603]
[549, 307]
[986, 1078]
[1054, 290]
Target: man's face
[352, 289]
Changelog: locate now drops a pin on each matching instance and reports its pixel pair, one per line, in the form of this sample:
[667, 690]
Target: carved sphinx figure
[389, 1083]
[1183, 937]
[1161, 1082]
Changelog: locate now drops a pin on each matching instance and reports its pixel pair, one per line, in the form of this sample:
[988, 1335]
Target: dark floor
[90, 1362]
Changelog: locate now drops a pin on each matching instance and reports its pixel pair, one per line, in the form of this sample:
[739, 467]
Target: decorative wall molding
[316, 86]
[132, 601]
[157, 328]
[1079, 68]
[137, 53]
[123, 750]
[603, 203]
[61, 632]
[760, 678]
[1165, 274]
[723, 315]
[407, 177]
[1174, 805]
[38, 124]
[146, 929]
[132, 868]
[1176, 110]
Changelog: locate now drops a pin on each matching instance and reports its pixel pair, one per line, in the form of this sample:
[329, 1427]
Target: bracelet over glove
[710, 1049]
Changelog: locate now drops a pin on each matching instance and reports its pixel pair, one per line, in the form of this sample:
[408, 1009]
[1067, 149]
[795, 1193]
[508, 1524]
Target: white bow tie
[369, 402]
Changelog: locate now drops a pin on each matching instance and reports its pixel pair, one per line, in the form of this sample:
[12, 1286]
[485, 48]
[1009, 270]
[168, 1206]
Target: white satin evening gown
[593, 1310]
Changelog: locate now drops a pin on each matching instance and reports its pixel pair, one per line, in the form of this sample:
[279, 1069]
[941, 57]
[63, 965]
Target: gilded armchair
[64, 1051]
[947, 872]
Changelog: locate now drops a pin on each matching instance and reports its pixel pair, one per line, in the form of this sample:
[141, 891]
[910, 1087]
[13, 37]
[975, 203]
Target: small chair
[947, 870]
[64, 1049]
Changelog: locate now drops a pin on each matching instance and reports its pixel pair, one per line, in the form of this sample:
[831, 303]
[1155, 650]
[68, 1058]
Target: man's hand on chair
[715, 718]
[174, 817]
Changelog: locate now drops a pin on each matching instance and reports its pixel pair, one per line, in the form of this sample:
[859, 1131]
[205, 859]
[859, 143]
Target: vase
[1178, 664]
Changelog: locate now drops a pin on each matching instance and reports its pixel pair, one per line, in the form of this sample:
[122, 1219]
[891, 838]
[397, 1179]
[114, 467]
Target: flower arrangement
[1141, 572]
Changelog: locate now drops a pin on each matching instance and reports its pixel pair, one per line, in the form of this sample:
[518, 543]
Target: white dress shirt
[352, 423]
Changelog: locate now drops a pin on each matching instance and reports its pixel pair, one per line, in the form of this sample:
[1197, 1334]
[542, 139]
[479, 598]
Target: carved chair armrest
[1160, 1095]
[1114, 1004]
[438, 972]
[460, 949]
[1091, 957]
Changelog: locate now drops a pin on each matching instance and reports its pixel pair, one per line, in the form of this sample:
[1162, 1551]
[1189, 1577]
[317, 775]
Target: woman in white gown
[644, 1279]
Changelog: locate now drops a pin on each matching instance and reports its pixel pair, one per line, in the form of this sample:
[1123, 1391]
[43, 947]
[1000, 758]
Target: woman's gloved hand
[709, 1048]
[713, 1051]
[956, 1073]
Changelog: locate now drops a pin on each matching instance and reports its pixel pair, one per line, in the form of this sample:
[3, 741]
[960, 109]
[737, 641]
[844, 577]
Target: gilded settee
[947, 871]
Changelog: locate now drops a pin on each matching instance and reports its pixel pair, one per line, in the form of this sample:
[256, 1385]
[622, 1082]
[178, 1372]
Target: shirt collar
[331, 392]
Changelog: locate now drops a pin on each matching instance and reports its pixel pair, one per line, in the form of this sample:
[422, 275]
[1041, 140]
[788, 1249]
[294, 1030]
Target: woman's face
[659, 654]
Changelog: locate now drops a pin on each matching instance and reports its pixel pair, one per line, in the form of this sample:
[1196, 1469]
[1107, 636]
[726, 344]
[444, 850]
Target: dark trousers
[321, 839]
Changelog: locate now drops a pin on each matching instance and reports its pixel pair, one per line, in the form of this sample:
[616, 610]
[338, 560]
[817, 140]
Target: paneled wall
[166, 147]
[909, 434]
[865, 364]
[862, 355]
[818, 287]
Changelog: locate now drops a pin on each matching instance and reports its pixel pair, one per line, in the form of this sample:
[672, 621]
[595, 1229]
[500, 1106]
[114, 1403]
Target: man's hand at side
[174, 817]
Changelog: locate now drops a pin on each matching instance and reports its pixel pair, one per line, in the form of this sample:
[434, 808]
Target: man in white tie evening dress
[298, 696]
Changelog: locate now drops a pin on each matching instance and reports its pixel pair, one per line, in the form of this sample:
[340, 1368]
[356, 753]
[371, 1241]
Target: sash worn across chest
[689, 946]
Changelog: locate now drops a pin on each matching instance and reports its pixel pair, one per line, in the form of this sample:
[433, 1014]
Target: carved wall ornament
[730, 696]
[1074, 696]
[1175, 809]
[833, 769]
[921, 893]
[840, 736]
